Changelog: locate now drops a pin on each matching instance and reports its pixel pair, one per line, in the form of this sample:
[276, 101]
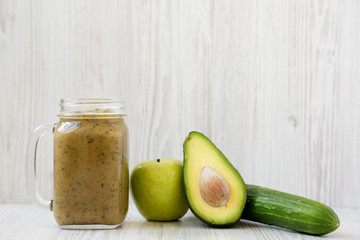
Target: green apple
[157, 189]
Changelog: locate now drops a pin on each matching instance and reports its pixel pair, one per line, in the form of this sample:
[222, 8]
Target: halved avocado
[215, 190]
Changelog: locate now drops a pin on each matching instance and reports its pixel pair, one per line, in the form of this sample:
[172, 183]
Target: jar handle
[39, 132]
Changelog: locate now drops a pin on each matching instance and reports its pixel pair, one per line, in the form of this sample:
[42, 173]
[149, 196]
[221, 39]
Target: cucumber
[289, 211]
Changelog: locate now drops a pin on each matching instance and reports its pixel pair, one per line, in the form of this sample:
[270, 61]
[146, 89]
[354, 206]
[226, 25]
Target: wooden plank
[30, 222]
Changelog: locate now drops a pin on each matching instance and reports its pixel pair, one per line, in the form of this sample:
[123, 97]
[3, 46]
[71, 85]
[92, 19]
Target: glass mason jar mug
[91, 173]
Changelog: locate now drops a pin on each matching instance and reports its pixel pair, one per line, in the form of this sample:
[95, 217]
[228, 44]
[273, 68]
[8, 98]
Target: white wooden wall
[275, 84]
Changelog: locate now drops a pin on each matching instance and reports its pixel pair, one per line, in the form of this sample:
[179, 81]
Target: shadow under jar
[91, 174]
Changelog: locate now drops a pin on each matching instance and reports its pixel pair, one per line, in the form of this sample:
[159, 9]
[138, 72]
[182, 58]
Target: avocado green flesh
[289, 211]
[200, 152]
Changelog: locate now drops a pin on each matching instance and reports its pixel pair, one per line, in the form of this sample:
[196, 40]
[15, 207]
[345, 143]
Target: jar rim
[96, 107]
[66, 101]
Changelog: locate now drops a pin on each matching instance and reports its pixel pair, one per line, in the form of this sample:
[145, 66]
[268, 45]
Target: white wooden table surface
[24, 221]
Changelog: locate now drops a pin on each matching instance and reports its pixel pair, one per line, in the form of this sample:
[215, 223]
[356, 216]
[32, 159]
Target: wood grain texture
[273, 83]
[23, 221]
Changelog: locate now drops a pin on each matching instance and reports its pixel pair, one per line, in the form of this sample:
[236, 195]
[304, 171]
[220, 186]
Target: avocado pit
[213, 187]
